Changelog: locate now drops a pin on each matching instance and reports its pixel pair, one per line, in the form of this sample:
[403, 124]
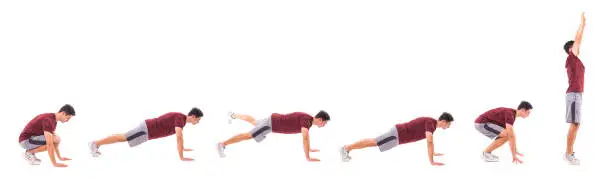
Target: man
[292, 123]
[497, 124]
[573, 95]
[39, 135]
[412, 131]
[150, 129]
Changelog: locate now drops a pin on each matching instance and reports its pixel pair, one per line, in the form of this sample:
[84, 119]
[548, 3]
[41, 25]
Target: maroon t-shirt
[575, 73]
[164, 125]
[499, 116]
[414, 130]
[38, 126]
[291, 123]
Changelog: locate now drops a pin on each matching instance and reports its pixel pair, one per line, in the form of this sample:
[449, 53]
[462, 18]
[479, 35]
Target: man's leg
[263, 128]
[32, 146]
[38, 149]
[111, 140]
[368, 142]
[498, 142]
[573, 117]
[134, 137]
[571, 137]
[494, 132]
[244, 117]
[384, 142]
[237, 138]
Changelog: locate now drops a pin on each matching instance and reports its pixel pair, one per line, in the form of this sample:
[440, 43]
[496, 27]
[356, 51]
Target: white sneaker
[229, 117]
[31, 158]
[488, 157]
[571, 159]
[93, 149]
[221, 150]
[345, 154]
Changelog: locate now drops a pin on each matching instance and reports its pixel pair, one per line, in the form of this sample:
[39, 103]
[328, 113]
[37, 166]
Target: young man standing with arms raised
[573, 95]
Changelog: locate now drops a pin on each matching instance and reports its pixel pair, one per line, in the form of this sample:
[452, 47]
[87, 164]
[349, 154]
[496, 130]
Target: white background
[370, 64]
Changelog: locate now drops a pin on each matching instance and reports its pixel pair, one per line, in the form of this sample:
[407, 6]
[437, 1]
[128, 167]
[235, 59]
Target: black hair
[195, 112]
[525, 105]
[69, 110]
[323, 115]
[568, 45]
[447, 117]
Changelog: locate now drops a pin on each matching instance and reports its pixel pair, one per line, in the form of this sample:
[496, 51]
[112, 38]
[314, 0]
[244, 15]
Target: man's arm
[578, 39]
[51, 149]
[179, 143]
[512, 139]
[306, 141]
[55, 148]
[430, 148]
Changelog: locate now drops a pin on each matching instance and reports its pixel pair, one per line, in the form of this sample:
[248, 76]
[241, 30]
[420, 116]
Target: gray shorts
[388, 140]
[263, 128]
[33, 142]
[489, 129]
[137, 135]
[573, 103]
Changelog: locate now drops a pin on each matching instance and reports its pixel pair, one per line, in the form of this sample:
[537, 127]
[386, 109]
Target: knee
[56, 140]
[503, 137]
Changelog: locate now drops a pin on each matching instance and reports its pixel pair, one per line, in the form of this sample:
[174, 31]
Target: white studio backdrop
[370, 64]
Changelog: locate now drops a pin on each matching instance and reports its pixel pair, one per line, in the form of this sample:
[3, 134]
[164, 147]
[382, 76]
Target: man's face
[525, 113]
[319, 122]
[64, 118]
[195, 120]
[444, 124]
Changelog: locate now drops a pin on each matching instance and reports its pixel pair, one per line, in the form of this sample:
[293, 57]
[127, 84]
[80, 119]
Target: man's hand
[64, 159]
[187, 149]
[583, 18]
[438, 154]
[437, 164]
[186, 159]
[516, 160]
[60, 165]
[519, 154]
[313, 160]
[314, 150]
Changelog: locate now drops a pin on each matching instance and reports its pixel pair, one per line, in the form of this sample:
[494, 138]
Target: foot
[571, 159]
[93, 149]
[488, 157]
[221, 150]
[229, 117]
[31, 158]
[345, 154]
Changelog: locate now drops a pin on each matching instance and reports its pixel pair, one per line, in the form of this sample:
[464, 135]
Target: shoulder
[45, 117]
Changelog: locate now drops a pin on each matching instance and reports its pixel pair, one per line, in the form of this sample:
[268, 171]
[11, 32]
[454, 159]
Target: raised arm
[179, 143]
[306, 141]
[578, 39]
[430, 149]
